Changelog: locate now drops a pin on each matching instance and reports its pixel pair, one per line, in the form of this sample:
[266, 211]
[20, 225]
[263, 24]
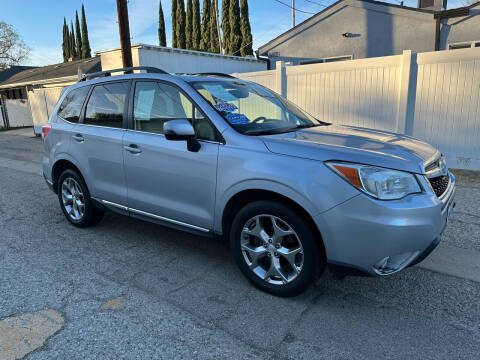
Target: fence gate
[42, 102]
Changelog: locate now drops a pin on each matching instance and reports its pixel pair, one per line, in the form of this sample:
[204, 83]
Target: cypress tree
[86, 51]
[226, 25]
[189, 26]
[78, 36]
[205, 40]
[174, 23]
[162, 36]
[66, 41]
[214, 42]
[235, 32]
[196, 31]
[73, 45]
[247, 47]
[180, 27]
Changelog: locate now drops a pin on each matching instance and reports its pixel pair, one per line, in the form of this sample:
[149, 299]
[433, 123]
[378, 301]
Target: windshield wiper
[306, 126]
[269, 131]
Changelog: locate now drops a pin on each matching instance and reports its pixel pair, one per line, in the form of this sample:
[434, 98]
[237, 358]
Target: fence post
[281, 78]
[407, 93]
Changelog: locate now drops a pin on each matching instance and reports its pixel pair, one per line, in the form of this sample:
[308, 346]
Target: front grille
[440, 184]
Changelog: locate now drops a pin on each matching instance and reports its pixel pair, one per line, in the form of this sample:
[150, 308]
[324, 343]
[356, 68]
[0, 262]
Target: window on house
[327, 60]
[463, 45]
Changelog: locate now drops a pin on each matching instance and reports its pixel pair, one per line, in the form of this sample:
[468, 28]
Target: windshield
[252, 109]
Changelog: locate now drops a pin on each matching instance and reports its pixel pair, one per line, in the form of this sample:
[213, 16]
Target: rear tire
[275, 248]
[75, 201]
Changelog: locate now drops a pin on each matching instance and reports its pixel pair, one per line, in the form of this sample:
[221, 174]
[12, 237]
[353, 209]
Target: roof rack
[148, 69]
[217, 74]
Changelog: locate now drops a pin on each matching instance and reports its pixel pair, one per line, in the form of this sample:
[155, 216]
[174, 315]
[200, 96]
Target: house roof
[12, 70]
[262, 49]
[53, 73]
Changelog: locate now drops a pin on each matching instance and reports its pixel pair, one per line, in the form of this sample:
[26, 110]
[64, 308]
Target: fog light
[392, 264]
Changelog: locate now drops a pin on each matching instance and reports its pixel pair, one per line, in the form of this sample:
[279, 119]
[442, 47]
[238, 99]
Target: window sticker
[225, 107]
[237, 119]
[219, 92]
[143, 104]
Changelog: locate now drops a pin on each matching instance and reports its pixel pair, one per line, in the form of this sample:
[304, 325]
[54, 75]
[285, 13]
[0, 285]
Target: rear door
[97, 141]
[166, 181]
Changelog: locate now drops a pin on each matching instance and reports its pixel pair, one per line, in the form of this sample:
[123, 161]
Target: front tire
[75, 200]
[275, 248]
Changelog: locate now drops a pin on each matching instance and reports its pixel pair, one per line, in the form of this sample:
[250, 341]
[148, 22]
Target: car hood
[353, 144]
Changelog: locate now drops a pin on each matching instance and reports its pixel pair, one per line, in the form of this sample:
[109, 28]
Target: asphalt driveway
[129, 289]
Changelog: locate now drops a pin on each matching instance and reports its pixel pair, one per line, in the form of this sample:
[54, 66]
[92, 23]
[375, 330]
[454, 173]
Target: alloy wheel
[73, 199]
[272, 249]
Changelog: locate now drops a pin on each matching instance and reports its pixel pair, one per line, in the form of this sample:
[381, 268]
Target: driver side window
[156, 103]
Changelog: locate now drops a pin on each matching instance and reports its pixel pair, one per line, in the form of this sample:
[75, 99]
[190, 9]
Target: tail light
[45, 130]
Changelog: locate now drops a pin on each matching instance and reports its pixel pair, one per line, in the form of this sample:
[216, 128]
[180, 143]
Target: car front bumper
[371, 237]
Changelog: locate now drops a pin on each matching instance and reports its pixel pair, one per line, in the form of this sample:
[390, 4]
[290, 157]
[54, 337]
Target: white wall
[181, 61]
[434, 96]
[18, 113]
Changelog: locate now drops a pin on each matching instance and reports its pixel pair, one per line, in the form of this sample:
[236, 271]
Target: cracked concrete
[129, 289]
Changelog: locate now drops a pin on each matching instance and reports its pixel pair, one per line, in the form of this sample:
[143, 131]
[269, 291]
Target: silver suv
[218, 156]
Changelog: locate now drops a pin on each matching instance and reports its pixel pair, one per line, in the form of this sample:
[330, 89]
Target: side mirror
[181, 130]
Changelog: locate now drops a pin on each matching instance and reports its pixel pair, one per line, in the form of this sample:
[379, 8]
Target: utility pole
[215, 6]
[124, 29]
[293, 13]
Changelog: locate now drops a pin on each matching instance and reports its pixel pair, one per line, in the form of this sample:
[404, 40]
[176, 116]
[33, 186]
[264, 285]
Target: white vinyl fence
[432, 96]
[18, 113]
[42, 103]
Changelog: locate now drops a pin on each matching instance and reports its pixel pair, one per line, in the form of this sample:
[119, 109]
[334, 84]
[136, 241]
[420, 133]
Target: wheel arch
[244, 197]
[59, 167]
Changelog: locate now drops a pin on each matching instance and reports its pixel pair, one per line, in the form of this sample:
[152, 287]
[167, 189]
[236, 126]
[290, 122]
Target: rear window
[72, 104]
[106, 105]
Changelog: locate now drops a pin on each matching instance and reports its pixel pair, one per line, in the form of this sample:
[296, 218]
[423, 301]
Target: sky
[39, 23]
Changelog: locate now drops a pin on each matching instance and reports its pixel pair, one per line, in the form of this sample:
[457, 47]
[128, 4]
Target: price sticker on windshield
[237, 119]
[225, 107]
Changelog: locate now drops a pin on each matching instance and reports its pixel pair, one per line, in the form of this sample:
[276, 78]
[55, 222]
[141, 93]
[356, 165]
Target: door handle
[78, 138]
[133, 149]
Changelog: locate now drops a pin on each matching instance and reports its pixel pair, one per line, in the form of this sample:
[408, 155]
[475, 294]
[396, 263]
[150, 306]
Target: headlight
[381, 183]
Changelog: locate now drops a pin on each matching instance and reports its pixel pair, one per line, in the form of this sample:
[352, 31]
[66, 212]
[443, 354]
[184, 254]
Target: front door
[164, 179]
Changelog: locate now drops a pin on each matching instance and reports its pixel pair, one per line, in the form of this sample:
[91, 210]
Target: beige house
[28, 97]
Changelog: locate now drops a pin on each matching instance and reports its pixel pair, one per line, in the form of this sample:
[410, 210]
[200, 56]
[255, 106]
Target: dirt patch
[113, 304]
[22, 334]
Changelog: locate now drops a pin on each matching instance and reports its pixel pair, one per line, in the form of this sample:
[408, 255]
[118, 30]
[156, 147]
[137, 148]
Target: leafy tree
[78, 36]
[162, 36]
[73, 45]
[247, 48]
[235, 32]
[226, 26]
[86, 51]
[174, 23]
[196, 27]
[214, 41]
[205, 36]
[180, 27]
[66, 41]
[189, 26]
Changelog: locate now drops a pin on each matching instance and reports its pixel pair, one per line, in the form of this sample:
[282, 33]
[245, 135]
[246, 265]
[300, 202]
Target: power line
[291, 7]
[315, 2]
